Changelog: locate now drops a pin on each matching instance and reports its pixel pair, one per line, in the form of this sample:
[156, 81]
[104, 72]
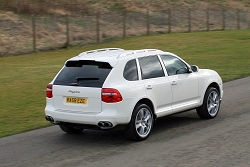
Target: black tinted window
[130, 71]
[150, 67]
[84, 73]
[174, 65]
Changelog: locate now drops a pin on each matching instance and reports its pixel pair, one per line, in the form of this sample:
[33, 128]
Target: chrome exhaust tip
[49, 118]
[105, 124]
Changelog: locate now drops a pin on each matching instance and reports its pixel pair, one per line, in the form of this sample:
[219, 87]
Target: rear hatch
[78, 86]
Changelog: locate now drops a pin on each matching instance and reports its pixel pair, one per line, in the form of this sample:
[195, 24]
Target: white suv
[104, 88]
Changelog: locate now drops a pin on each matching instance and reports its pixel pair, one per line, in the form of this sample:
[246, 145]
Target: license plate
[76, 100]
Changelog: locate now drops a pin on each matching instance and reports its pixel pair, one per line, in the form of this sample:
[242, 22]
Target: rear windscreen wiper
[73, 84]
[79, 78]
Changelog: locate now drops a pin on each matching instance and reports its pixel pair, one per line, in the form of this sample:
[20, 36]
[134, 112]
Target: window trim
[138, 69]
[163, 65]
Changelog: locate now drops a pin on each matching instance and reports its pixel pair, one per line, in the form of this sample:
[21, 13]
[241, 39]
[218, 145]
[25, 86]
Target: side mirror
[194, 68]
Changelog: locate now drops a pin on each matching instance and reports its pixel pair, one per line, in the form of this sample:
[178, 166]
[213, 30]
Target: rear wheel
[211, 104]
[71, 130]
[141, 123]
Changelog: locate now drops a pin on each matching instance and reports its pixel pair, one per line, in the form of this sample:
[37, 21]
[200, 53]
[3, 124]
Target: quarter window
[150, 67]
[174, 65]
[130, 71]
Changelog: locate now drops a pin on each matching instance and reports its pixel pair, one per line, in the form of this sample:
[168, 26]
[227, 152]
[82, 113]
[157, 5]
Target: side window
[150, 67]
[174, 65]
[130, 71]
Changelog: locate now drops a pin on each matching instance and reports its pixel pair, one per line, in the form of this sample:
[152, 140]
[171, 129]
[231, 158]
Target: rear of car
[77, 91]
[77, 88]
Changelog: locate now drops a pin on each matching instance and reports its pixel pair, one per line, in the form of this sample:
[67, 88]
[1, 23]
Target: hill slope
[31, 25]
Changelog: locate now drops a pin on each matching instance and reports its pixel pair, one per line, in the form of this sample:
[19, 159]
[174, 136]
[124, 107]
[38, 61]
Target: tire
[141, 123]
[71, 130]
[211, 104]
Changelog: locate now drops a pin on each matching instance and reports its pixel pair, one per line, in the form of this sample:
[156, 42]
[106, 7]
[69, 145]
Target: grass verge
[23, 79]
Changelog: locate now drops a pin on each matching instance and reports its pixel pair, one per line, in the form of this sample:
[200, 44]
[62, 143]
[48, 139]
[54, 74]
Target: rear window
[84, 73]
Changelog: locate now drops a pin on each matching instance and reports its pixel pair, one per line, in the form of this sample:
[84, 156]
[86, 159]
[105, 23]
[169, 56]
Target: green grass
[23, 79]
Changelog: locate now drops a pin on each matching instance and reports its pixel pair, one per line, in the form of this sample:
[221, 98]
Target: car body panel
[158, 90]
[185, 91]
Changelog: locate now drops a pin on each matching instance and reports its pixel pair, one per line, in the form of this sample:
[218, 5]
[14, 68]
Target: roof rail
[98, 50]
[138, 51]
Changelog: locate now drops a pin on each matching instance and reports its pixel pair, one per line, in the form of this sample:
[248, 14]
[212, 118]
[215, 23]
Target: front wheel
[71, 130]
[211, 104]
[141, 123]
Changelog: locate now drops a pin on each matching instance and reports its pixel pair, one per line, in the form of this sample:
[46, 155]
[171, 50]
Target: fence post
[67, 31]
[169, 20]
[207, 19]
[124, 22]
[223, 19]
[238, 19]
[34, 32]
[147, 22]
[97, 27]
[248, 22]
[189, 20]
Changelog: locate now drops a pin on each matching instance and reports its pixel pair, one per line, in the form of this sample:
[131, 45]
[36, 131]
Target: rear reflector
[110, 95]
[49, 91]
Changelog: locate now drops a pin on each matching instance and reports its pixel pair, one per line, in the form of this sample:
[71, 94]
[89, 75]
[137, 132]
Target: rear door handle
[174, 82]
[149, 87]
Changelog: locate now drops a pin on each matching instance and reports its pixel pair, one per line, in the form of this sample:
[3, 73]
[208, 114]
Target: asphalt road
[182, 140]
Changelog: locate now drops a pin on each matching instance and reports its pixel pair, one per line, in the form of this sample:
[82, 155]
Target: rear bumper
[86, 119]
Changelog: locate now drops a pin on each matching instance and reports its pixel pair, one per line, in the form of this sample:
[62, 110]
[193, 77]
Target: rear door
[157, 85]
[78, 86]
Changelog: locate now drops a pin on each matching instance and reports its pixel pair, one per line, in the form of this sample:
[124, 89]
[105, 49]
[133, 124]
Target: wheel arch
[149, 103]
[212, 84]
[215, 85]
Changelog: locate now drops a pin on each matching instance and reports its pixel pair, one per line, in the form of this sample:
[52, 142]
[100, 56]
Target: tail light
[49, 91]
[110, 95]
